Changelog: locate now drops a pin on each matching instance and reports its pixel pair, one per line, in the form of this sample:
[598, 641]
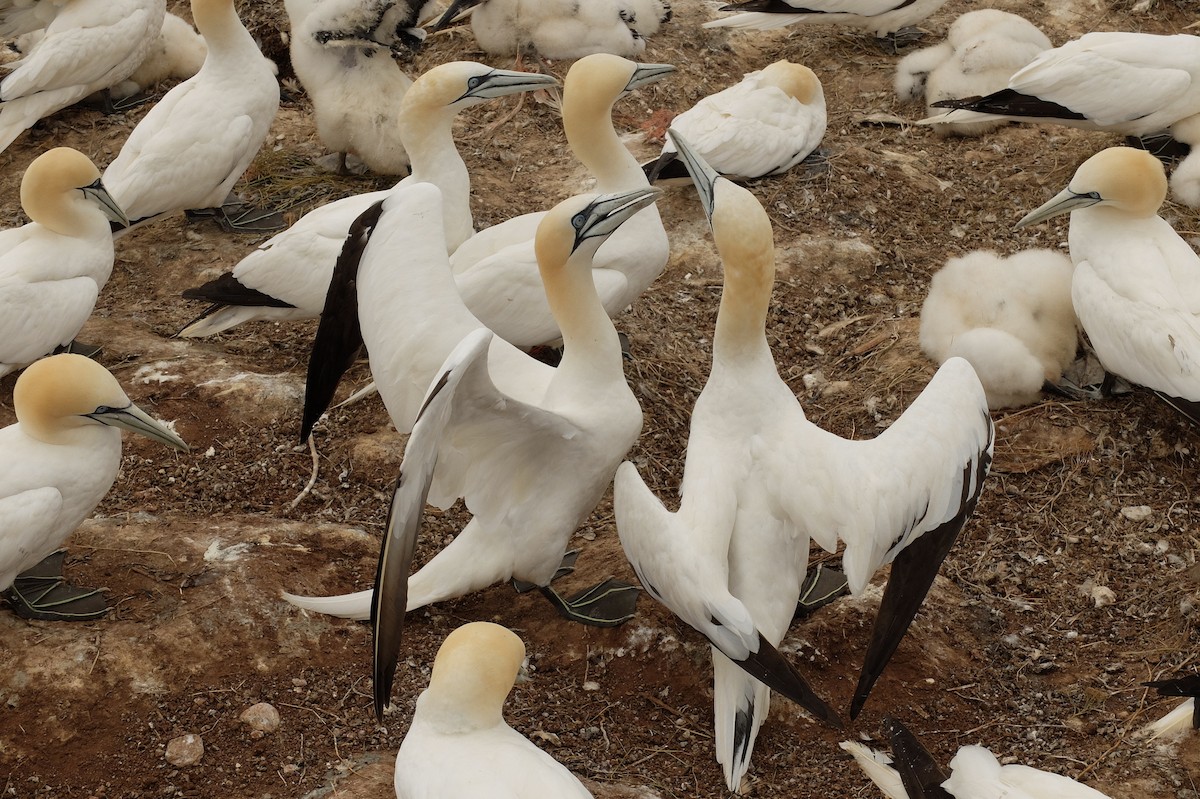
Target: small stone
[262, 717]
[591, 685]
[1136, 513]
[186, 750]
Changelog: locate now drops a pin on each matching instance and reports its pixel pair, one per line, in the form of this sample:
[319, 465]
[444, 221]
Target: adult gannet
[178, 53]
[60, 459]
[981, 52]
[764, 125]
[88, 46]
[459, 745]
[760, 480]
[496, 269]
[531, 448]
[52, 269]
[288, 276]
[881, 17]
[1136, 288]
[190, 149]
[1010, 317]
[342, 53]
[1184, 716]
[1136, 84]
[975, 773]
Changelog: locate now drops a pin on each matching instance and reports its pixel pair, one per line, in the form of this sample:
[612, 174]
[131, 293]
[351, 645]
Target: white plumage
[177, 53]
[52, 269]
[1011, 318]
[881, 17]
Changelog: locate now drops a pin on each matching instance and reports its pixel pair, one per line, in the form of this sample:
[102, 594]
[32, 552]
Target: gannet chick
[342, 53]
[764, 125]
[190, 149]
[88, 46]
[459, 745]
[975, 773]
[1010, 317]
[981, 52]
[60, 459]
[52, 269]
[177, 54]
[1184, 715]
[880, 17]
[1136, 287]
[288, 276]
[760, 481]
[1135, 84]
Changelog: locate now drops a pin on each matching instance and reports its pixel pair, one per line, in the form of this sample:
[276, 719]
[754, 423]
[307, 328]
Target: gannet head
[599, 79]
[583, 222]
[63, 392]
[473, 672]
[50, 183]
[461, 84]
[796, 80]
[1120, 177]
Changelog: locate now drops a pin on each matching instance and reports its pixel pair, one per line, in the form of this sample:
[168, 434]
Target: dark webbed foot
[821, 586]
[606, 604]
[564, 568]
[41, 593]
[235, 216]
[894, 42]
[79, 348]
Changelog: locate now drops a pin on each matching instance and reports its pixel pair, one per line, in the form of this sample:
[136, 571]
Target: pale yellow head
[745, 240]
[796, 80]
[1126, 178]
[50, 181]
[212, 15]
[473, 672]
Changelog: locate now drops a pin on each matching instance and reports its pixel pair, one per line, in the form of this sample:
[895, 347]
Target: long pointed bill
[1063, 202]
[502, 82]
[97, 193]
[456, 8]
[920, 773]
[608, 212]
[703, 175]
[135, 420]
[645, 74]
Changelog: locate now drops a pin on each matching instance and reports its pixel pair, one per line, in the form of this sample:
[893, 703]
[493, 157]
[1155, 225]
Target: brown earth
[1012, 649]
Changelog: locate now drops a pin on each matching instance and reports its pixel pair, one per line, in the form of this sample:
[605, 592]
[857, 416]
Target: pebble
[263, 718]
[1137, 513]
[186, 750]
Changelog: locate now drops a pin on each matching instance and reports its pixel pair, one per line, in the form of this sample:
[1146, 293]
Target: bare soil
[1012, 649]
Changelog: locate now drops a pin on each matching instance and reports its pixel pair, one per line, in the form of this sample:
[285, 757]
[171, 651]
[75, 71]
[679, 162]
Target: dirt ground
[1017, 647]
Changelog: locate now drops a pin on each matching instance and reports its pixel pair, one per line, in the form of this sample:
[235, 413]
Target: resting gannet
[760, 481]
[52, 269]
[459, 745]
[60, 459]
[881, 17]
[288, 276]
[177, 53]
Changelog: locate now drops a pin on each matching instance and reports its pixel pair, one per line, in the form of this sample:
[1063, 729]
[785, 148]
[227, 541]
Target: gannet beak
[648, 73]
[703, 175]
[135, 420]
[97, 193]
[1063, 202]
[607, 212]
[501, 82]
[456, 8]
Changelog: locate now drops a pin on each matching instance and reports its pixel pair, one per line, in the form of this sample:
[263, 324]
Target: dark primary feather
[226, 290]
[1011, 103]
[919, 771]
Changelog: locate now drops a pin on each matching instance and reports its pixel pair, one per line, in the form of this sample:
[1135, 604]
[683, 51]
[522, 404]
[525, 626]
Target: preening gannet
[190, 149]
[881, 17]
[760, 481]
[496, 269]
[60, 459]
[1184, 715]
[342, 53]
[981, 52]
[1136, 288]
[975, 773]
[88, 46]
[530, 448]
[1135, 84]
[52, 269]
[1010, 317]
[764, 125]
[459, 745]
[288, 276]
[177, 53]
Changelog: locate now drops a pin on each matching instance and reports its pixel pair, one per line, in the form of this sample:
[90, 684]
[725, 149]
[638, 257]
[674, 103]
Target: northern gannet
[342, 53]
[763, 125]
[459, 744]
[1136, 287]
[760, 481]
[60, 459]
[88, 46]
[288, 276]
[52, 269]
[1010, 317]
[1184, 715]
[975, 773]
[880, 17]
[531, 448]
[194, 144]
[178, 53]
[496, 270]
[1135, 84]
[981, 52]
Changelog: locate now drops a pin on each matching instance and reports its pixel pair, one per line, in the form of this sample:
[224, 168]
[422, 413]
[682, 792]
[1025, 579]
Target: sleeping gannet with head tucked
[60, 459]
[52, 269]
[530, 448]
[1184, 715]
[764, 125]
[881, 17]
[459, 744]
[760, 481]
[288, 276]
[1010, 317]
[981, 52]
[1136, 287]
[177, 53]
[1135, 84]
[190, 149]
[88, 46]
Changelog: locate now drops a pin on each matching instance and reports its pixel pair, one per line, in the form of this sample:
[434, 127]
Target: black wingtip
[1009, 102]
[1188, 685]
[666, 167]
[227, 290]
[770, 668]
[919, 770]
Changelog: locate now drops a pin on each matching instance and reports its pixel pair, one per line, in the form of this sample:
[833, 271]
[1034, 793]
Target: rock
[1137, 513]
[186, 750]
[262, 717]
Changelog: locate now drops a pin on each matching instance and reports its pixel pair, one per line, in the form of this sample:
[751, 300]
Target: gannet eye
[578, 220]
[474, 81]
[103, 409]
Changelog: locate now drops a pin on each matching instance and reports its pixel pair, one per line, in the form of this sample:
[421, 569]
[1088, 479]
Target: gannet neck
[52, 192]
[1125, 178]
[745, 242]
[795, 80]
[223, 31]
[52, 395]
[473, 672]
[592, 86]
